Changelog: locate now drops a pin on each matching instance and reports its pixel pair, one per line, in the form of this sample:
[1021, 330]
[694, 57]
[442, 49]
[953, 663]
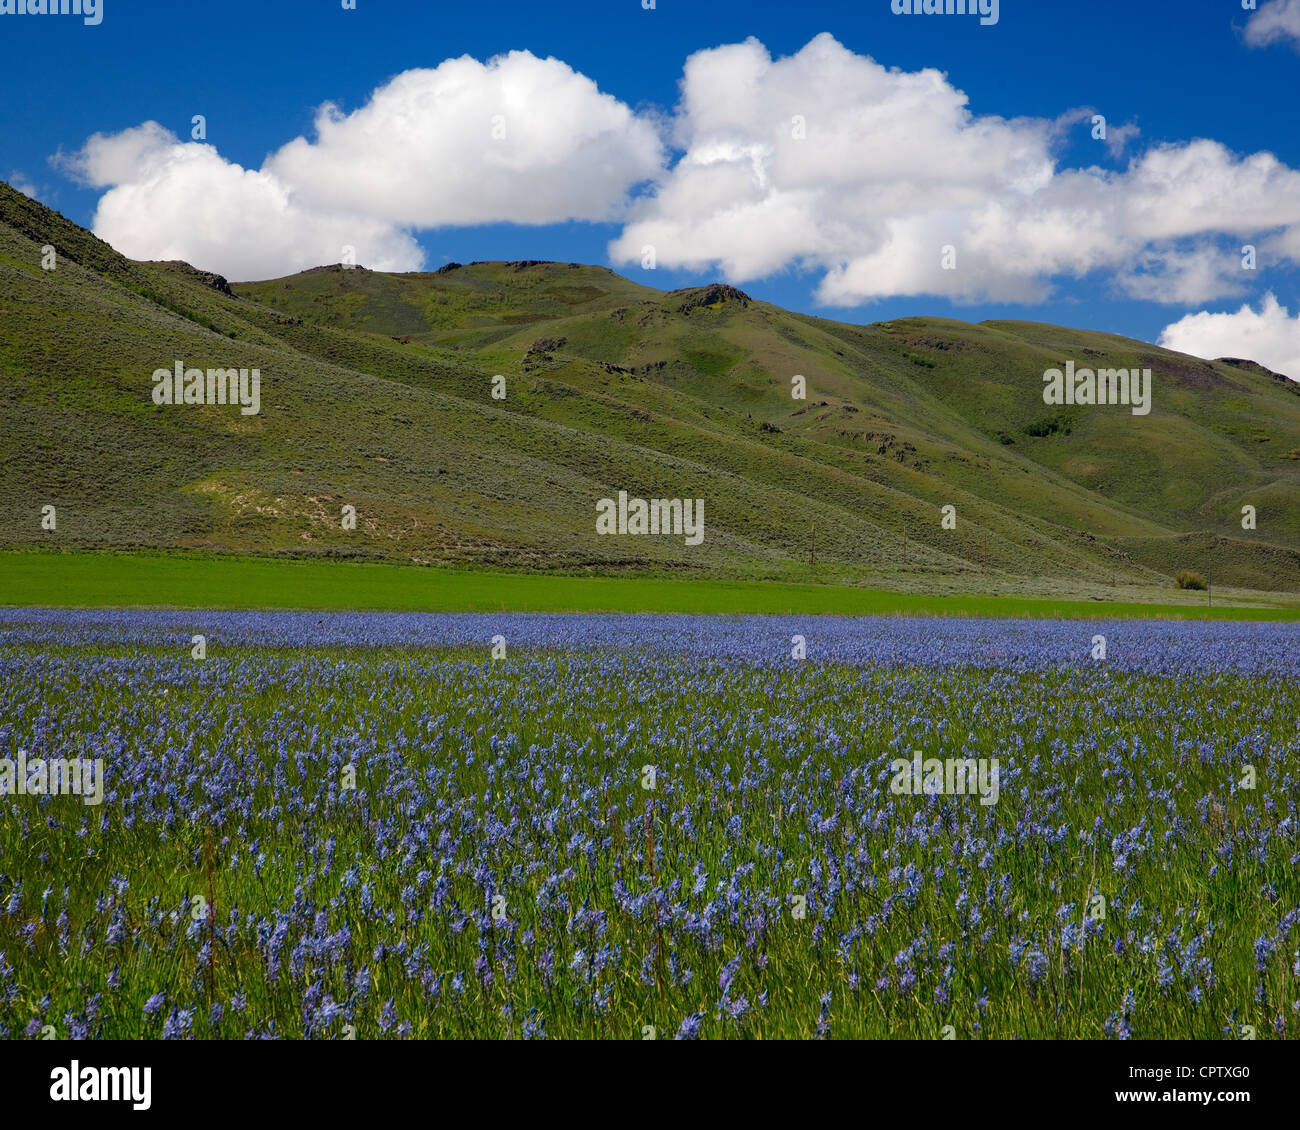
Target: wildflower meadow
[361, 826]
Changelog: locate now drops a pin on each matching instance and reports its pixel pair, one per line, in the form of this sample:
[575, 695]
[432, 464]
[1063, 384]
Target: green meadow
[210, 581]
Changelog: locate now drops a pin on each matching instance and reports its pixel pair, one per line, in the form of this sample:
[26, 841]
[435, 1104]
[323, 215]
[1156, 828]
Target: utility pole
[812, 554]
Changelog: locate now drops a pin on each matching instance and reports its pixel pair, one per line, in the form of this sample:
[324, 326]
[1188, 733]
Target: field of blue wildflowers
[632, 827]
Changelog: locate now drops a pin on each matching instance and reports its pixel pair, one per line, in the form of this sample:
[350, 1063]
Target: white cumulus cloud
[1270, 336]
[875, 180]
[829, 161]
[517, 139]
[1277, 21]
[169, 199]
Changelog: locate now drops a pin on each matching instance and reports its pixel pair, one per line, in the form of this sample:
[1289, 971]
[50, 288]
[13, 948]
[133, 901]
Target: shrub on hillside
[1190, 580]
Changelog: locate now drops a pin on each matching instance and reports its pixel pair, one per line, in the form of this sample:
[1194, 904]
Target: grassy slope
[641, 395]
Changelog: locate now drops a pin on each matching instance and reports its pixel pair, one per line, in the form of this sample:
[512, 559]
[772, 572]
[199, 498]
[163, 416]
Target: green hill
[377, 392]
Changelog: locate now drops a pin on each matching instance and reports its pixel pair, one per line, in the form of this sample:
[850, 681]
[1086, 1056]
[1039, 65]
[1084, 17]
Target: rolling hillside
[377, 392]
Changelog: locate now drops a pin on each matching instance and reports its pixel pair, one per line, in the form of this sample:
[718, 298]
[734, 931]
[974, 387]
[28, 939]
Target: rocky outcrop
[713, 295]
[207, 278]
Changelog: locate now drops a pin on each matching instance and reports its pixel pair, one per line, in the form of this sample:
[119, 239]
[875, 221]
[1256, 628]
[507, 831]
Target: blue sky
[259, 71]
